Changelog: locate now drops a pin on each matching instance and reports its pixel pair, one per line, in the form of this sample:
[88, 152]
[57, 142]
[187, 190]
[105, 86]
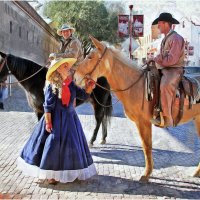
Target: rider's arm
[173, 55]
[72, 51]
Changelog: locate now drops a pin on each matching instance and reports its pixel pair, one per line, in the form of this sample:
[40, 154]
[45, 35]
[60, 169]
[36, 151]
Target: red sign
[123, 30]
[138, 25]
[190, 50]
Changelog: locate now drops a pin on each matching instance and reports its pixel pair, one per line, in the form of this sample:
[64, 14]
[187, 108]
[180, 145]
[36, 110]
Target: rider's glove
[52, 56]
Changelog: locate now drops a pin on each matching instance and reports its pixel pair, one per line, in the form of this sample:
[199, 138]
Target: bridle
[3, 63]
[9, 72]
[86, 76]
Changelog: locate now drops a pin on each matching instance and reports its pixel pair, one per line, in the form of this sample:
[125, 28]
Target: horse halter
[95, 66]
[3, 63]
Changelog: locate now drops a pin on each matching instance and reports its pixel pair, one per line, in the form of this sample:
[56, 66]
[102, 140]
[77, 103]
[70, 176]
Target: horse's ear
[96, 43]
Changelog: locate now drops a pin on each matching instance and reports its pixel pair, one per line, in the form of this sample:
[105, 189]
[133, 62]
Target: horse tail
[108, 110]
[107, 101]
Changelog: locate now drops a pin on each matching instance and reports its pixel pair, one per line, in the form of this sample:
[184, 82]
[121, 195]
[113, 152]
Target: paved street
[120, 162]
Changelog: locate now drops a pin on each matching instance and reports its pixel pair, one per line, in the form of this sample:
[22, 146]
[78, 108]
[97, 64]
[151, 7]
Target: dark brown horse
[23, 68]
[128, 81]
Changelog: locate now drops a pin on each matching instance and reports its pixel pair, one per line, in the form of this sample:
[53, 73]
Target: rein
[97, 63]
[9, 72]
[110, 90]
[105, 106]
[87, 76]
[116, 90]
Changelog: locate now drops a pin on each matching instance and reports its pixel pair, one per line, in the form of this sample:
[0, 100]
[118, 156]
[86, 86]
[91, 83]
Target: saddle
[188, 92]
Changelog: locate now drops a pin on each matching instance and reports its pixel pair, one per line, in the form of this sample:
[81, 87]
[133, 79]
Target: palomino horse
[32, 77]
[128, 82]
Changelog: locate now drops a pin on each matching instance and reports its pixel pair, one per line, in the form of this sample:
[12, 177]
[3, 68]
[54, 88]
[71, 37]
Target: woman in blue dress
[57, 149]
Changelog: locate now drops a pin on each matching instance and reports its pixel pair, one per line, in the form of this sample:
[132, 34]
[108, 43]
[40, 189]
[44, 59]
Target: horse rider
[170, 61]
[70, 45]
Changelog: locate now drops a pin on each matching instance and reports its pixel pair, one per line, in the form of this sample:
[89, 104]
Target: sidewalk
[120, 162]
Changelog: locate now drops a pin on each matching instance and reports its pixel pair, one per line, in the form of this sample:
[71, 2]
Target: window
[11, 12]
[6, 8]
[27, 35]
[11, 26]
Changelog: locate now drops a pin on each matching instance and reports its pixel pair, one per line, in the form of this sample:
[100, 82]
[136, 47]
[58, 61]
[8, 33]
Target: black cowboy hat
[166, 17]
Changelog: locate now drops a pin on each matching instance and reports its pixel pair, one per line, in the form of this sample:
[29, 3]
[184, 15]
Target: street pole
[130, 31]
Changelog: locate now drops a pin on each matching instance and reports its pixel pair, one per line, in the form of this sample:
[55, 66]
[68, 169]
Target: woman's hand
[48, 122]
[89, 85]
[49, 127]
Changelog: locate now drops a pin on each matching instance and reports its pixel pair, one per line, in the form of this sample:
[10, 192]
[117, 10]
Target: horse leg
[145, 130]
[197, 124]
[104, 131]
[94, 136]
[103, 113]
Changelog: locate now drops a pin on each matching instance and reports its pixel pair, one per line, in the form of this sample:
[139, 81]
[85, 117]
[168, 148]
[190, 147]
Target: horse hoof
[90, 145]
[196, 174]
[103, 142]
[144, 179]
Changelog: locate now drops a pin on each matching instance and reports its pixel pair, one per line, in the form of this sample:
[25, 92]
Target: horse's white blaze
[107, 64]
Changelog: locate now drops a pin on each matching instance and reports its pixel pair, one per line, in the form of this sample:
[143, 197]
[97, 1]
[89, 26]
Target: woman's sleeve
[50, 99]
[80, 93]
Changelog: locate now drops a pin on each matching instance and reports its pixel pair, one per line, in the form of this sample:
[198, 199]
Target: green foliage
[87, 17]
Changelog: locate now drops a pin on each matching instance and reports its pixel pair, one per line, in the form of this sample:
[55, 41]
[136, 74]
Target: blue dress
[63, 154]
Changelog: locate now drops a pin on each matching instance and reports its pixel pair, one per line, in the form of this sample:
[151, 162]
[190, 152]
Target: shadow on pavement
[135, 157]
[116, 185]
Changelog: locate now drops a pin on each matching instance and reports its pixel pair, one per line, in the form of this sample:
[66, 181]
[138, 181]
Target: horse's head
[93, 65]
[3, 69]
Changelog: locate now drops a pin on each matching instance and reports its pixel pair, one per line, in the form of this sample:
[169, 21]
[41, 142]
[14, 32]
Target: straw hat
[56, 63]
[63, 28]
[166, 17]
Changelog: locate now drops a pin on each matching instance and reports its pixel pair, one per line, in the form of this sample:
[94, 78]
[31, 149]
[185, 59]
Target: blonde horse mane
[121, 56]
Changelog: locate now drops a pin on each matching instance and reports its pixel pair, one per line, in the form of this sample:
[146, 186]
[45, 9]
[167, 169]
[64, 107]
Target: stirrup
[158, 120]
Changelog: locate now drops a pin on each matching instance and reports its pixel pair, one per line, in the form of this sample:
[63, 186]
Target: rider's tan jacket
[172, 51]
[71, 48]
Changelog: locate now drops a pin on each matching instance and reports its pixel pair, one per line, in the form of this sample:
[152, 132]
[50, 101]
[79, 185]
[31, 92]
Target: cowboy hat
[63, 28]
[56, 63]
[166, 17]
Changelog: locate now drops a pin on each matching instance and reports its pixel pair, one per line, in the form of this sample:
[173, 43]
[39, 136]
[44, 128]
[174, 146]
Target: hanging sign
[138, 25]
[123, 30]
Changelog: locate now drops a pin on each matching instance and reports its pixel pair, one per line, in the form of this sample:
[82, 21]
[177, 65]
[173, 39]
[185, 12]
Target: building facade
[24, 33]
[189, 28]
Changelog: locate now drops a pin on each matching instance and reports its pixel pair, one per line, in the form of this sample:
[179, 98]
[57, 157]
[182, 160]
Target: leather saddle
[188, 91]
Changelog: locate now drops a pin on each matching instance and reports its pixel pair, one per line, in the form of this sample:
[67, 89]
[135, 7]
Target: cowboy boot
[156, 121]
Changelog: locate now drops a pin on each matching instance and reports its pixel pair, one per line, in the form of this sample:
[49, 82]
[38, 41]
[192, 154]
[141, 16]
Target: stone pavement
[120, 162]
